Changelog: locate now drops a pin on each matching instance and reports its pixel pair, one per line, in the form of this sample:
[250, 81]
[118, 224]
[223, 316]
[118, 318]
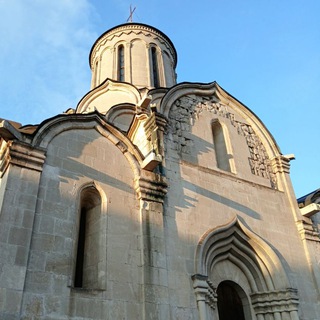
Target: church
[152, 199]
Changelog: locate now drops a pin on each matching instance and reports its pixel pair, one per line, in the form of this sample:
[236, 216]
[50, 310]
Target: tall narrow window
[90, 248]
[78, 279]
[155, 70]
[96, 74]
[222, 150]
[121, 70]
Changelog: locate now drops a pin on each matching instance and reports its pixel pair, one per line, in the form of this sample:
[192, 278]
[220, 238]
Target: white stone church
[152, 200]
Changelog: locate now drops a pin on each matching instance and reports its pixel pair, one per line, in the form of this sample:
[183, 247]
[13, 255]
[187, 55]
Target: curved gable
[192, 108]
[107, 95]
[57, 125]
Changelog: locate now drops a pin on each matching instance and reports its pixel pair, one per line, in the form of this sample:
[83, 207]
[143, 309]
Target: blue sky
[266, 53]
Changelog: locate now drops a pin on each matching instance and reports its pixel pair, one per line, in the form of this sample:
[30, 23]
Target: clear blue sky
[266, 53]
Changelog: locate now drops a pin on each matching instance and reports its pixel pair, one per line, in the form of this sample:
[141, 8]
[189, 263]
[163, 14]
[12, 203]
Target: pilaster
[151, 189]
[21, 167]
[310, 237]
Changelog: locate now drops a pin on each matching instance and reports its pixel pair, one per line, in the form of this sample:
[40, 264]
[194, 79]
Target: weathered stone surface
[130, 214]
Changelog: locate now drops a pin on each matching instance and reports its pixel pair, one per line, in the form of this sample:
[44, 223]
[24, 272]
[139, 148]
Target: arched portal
[231, 301]
[247, 269]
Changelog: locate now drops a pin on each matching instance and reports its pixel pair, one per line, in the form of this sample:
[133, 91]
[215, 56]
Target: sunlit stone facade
[152, 200]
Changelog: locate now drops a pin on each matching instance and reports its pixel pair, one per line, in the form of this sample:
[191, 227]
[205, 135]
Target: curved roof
[309, 198]
[135, 25]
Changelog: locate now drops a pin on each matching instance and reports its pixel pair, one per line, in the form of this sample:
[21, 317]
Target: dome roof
[133, 26]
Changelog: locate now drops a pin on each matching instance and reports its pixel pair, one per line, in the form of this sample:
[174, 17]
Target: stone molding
[204, 290]
[8, 131]
[235, 237]
[307, 230]
[144, 133]
[226, 174]
[4, 156]
[151, 186]
[206, 296]
[280, 164]
[108, 86]
[276, 302]
[161, 121]
[22, 155]
[258, 261]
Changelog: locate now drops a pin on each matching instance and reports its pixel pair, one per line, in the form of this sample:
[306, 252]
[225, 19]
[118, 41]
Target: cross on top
[131, 14]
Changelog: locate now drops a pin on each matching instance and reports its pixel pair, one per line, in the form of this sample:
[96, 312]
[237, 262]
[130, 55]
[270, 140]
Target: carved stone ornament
[186, 110]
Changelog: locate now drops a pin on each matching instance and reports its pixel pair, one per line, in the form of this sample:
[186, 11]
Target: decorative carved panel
[188, 109]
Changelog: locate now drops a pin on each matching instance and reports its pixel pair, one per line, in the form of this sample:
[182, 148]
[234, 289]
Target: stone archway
[232, 254]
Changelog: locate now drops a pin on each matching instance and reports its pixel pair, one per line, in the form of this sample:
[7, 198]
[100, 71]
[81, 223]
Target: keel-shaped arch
[234, 253]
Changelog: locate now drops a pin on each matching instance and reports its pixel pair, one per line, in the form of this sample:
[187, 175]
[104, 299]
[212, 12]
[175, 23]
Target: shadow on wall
[186, 160]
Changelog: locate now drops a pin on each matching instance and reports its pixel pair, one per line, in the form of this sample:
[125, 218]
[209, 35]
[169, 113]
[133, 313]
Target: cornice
[280, 164]
[151, 186]
[22, 155]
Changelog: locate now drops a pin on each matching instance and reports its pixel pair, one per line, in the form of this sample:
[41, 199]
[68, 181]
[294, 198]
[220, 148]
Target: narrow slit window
[89, 249]
[155, 70]
[78, 280]
[121, 69]
[223, 157]
[96, 74]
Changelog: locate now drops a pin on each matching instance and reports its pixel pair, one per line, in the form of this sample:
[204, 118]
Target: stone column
[151, 189]
[201, 290]
[294, 315]
[278, 304]
[206, 297]
[21, 167]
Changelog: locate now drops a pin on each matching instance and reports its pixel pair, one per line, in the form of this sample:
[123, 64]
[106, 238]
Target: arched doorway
[242, 266]
[230, 301]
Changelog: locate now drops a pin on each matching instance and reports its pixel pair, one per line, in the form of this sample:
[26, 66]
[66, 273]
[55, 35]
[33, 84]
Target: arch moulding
[232, 252]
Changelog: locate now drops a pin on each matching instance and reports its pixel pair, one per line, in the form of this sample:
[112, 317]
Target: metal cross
[131, 13]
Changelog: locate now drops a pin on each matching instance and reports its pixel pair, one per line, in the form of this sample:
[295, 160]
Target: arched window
[230, 305]
[121, 75]
[155, 69]
[90, 245]
[222, 147]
